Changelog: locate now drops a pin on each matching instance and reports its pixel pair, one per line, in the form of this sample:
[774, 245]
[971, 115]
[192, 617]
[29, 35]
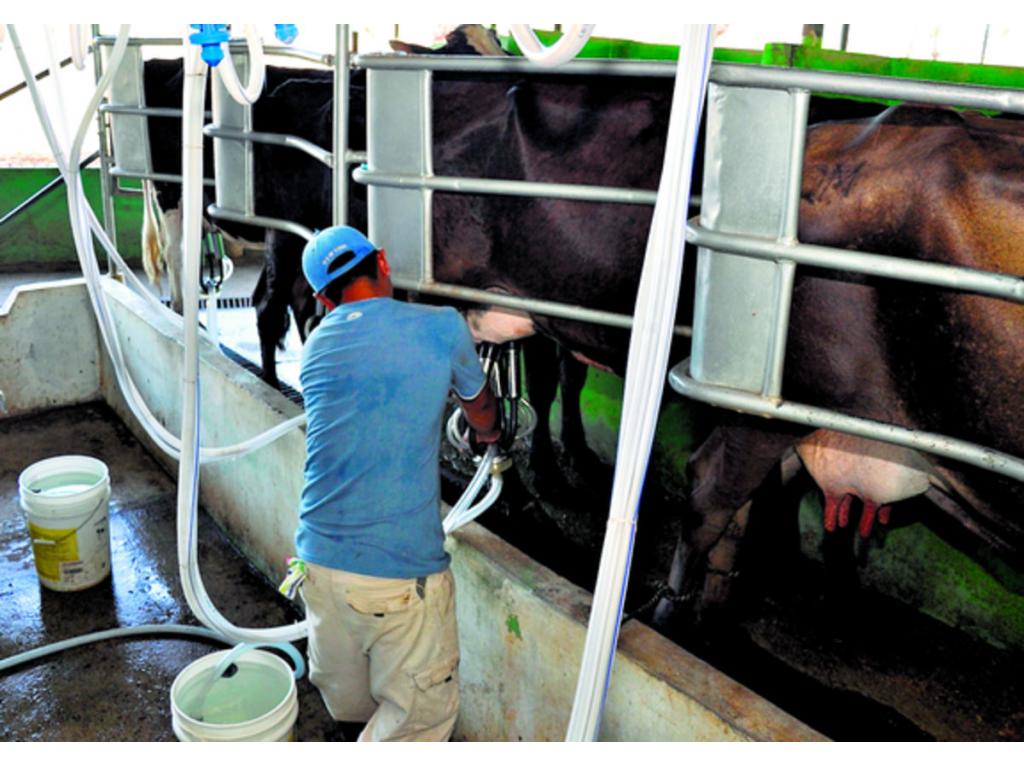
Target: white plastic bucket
[258, 702]
[66, 503]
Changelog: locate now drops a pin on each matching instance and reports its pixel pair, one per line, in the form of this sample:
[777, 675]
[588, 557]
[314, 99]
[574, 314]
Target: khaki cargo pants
[385, 651]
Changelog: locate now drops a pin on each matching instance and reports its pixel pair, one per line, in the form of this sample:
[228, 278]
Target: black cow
[290, 184]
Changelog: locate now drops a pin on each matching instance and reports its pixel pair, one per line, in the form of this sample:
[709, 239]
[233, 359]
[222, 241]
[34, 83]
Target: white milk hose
[574, 37]
[82, 220]
[645, 379]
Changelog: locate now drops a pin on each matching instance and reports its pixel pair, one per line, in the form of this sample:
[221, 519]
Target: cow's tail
[152, 233]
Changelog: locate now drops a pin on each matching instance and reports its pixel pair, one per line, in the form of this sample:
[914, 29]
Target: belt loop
[421, 587]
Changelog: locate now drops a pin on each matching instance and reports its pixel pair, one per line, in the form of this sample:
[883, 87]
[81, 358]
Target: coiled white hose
[645, 379]
[81, 222]
[83, 219]
[573, 38]
[257, 69]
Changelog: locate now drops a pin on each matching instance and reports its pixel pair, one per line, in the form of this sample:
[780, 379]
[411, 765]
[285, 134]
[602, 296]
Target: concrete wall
[48, 348]
[522, 627]
[522, 630]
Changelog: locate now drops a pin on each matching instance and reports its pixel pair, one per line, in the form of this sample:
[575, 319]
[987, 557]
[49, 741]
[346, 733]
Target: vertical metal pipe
[427, 133]
[790, 222]
[106, 185]
[788, 234]
[340, 111]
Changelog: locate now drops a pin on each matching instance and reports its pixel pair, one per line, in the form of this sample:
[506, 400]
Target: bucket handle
[242, 648]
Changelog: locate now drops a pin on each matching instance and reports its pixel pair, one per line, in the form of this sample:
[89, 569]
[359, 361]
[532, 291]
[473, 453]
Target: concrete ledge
[49, 346]
[522, 629]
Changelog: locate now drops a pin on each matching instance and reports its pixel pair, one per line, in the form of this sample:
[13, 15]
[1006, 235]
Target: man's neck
[363, 289]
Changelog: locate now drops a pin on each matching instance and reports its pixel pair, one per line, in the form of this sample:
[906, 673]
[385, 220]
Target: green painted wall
[41, 235]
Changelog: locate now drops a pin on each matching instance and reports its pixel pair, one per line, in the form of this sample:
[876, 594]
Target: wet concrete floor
[116, 690]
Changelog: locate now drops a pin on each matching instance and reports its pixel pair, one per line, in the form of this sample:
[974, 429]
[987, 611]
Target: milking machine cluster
[517, 421]
[501, 364]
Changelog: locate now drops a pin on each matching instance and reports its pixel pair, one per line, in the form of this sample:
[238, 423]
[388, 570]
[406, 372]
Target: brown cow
[923, 183]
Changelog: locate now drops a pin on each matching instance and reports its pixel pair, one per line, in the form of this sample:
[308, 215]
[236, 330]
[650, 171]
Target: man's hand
[478, 441]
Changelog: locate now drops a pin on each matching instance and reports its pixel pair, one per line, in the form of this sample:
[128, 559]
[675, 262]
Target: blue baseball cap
[333, 252]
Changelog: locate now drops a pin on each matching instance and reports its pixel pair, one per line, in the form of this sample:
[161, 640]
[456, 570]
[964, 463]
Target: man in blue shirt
[376, 373]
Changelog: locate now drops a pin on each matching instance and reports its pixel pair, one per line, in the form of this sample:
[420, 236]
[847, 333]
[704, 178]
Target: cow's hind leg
[547, 366]
[274, 295]
[724, 474]
[541, 370]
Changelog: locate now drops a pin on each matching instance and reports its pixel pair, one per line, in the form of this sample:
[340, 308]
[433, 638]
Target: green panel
[982, 596]
[610, 48]
[42, 233]
[809, 57]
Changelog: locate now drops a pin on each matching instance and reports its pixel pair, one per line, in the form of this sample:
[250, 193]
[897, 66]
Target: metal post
[106, 184]
[340, 116]
[788, 234]
[427, 135]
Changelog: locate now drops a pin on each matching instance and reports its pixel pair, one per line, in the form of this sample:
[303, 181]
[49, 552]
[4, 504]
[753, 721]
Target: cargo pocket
[435, 704]
[382, 601]
[440, 672]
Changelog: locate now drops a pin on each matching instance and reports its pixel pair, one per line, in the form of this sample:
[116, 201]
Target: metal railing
[338, 61]
[788, 253]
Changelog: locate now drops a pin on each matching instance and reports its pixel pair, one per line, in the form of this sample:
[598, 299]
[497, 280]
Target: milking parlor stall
[752, 311]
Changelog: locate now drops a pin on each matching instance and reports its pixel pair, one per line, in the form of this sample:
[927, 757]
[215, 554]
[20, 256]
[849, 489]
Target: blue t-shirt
[375, 377]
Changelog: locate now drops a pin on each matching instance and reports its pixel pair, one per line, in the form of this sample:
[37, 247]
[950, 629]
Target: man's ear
[382, 263]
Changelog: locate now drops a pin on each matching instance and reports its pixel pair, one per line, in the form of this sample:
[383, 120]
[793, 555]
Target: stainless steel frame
[786, 252]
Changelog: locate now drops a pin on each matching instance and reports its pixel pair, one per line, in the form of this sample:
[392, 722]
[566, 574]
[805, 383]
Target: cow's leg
[541, 363]
[573, 377]
[304, 306]
[173, 257]
[272, 296]
[725, 472]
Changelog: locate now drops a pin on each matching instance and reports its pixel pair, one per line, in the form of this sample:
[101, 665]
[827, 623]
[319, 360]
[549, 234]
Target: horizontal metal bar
[472, 186]
[168, 178]
[533, 306]
[517, 65]
[742, 75]
[38, 76]
[124, 109]
[353, 157]
[820, 418]
[126, 191]
[52, 184]
[280, 139]
[999, 286]
[871, 86]
[259, 221]
[284, 51]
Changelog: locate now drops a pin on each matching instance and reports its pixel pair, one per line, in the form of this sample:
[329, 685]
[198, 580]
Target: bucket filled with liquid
[66, 504]
[242, 694]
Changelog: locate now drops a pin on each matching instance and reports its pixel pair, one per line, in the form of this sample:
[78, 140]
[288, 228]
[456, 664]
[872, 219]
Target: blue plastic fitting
[286, 33]
[210, 36]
